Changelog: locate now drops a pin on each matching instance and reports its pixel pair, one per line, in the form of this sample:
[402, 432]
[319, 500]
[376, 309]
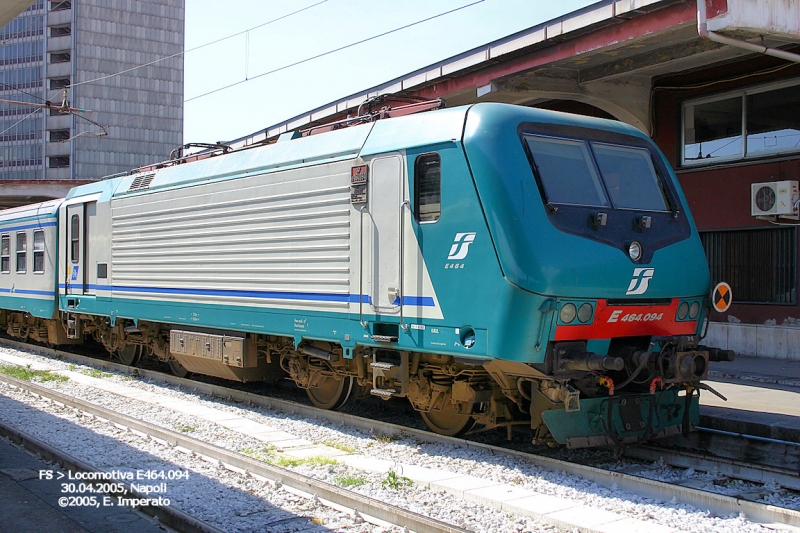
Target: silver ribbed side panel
[280, 239]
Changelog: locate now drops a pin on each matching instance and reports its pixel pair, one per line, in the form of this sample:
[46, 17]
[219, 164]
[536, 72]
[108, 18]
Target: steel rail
[657, 490]
[168, 515]
[242, 464]
[727, 467]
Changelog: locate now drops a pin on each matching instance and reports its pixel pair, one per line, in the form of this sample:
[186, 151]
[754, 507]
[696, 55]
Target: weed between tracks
[350, 480]
[319, 460]
[95, 373]
[395, 482]
[269, 455]
[26, 373]
[386, 439]
[342, 447]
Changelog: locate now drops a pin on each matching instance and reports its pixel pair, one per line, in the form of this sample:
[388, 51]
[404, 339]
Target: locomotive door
[79, 217]
[75, 241]
[385, 206]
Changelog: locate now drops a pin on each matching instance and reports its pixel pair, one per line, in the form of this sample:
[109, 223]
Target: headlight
[683, 310]
[585, 313]
[568, 312]
[695, 310]
[635, 251]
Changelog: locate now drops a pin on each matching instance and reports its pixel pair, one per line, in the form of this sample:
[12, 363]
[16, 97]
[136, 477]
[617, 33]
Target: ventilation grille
[141, 182]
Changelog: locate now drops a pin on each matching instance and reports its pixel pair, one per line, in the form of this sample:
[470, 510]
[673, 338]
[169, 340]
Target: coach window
[74, 238]
[38, 251]
[427, 188]
[5, 254]
[22, 252]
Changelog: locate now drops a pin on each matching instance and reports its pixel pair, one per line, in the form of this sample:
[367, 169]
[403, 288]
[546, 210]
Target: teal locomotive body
[495, 265]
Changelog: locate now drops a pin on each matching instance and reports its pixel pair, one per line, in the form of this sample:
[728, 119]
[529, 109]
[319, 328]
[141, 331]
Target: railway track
[369, 509]
[169, 516]
[634, 484]
[753, 460]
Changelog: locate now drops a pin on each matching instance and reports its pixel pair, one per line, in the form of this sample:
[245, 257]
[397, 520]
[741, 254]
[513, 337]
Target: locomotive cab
[589, 223]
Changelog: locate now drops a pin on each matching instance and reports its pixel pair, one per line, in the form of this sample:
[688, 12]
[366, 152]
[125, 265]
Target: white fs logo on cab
[641, 280]
[460, 249]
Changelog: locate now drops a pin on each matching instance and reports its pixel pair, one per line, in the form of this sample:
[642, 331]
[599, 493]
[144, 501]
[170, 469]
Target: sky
[286, 32]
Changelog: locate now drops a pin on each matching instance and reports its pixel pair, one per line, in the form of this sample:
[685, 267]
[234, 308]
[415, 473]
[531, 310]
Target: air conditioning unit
[774, 198]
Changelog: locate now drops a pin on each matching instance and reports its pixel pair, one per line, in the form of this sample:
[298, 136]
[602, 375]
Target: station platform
[763, 398]
[29, 504]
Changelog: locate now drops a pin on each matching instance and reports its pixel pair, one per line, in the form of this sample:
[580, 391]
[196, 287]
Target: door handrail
[403, 204]
[361, 210]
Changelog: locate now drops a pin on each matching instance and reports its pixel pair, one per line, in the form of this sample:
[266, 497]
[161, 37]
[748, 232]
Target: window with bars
[60, 57]
[60, 31]
[760, 265]
[59, 135]
[58, 83]
[59, 162]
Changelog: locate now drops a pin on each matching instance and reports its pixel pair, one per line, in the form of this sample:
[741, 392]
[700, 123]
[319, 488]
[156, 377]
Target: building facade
[83, 55]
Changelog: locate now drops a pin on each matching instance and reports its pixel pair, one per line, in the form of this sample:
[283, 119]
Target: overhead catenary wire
[103, 128]
[273, 71]
[12, 88]
[20, 121]
[245, 32]
[306, 60]
[53, 8]
[329, 52]
[17, 34]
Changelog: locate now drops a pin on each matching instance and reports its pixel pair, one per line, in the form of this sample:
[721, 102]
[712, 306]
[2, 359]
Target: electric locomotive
[494, 265]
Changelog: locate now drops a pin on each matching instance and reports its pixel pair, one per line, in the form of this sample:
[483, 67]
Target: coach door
[386, 207]
[79, 219]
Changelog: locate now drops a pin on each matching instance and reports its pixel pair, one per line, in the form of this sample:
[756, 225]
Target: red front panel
[628, 321]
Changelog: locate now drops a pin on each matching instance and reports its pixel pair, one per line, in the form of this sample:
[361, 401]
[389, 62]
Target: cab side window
[427, 188]
[5, 254]
[74, 238]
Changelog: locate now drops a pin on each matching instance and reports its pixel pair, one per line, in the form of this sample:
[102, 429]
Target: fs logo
[460, 247]
[641, 280]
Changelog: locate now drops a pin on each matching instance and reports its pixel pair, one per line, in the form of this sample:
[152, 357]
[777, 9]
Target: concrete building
[716, 84]
[77, 53]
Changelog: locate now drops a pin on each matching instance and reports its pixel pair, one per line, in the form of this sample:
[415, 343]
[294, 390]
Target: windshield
[579, 172]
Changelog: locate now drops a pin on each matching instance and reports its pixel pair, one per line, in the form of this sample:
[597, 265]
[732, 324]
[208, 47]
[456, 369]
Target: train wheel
[130, 355]
[177, 369]
[332, 392]
[446, 421]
